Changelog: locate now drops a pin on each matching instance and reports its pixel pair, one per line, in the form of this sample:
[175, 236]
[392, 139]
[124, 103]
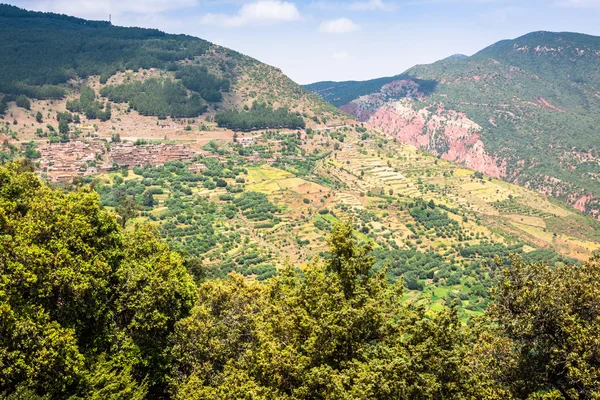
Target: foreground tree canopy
[88, 310]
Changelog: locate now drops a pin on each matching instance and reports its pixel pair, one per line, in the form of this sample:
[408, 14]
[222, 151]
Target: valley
[181, 221]
[410, 205]
[241, 170]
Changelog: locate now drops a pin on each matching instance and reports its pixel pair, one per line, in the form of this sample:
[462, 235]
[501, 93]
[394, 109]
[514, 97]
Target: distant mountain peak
[457, 56]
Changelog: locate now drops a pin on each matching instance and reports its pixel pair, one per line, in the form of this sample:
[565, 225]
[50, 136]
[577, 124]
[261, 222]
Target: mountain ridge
[530, 101]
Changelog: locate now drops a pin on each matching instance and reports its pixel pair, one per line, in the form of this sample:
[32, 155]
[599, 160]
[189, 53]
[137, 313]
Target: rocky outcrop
[362, 114]
[454, 137]
[447, 133]
[364, 107]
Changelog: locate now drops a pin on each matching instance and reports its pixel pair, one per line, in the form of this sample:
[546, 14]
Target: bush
[23, 102]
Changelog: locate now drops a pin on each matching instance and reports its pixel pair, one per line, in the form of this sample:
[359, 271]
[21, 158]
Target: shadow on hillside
[426, 86]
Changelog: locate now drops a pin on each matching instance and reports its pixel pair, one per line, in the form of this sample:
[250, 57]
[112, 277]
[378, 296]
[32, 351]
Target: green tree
[337, 332]
[148, 199]
[547, 330]
[155, 291]
[127, 210]
[56, 293]
[110, 380]
[85, 309]
[107, 114]
[31, 150]
[63, 127]
[23, 102]
[39, 118]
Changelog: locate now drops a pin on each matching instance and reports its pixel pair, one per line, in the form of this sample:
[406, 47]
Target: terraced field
[405, 173]
[433, 224]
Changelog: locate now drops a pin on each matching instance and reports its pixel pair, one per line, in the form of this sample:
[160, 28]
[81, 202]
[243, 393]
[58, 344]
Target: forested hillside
[196, 77]
[525, 110]
[89, 311]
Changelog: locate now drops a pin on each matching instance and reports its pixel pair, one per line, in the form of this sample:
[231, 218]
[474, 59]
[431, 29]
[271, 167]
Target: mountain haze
[526, 110]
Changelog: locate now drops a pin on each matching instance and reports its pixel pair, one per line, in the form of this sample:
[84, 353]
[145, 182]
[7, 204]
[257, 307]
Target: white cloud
[340, 25]
[580, 3]
[372, 5]
[340, 55]
[262, 12]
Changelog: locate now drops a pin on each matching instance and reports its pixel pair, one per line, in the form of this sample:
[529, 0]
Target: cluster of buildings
[61, 162]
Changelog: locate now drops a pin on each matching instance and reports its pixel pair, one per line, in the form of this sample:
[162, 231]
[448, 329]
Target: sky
[317, 40]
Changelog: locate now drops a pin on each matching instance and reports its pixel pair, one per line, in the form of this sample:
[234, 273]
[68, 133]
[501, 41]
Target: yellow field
[267, 173]
[535, 231]
[271, 180]
[462, 172]
[527, 220]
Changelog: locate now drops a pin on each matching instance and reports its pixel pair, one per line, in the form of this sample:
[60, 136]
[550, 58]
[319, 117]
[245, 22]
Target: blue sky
[342, 40]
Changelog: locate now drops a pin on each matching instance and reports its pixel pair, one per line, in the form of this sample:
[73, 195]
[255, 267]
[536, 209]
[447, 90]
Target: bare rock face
[365, 106]
[362, 114]
[447, 133]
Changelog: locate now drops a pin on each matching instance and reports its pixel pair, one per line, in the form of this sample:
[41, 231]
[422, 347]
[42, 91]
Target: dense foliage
[72, 47]
[79, 297]
[91, 311]
[544, 331]
[199, 80]
[260, 116]
[158, 97]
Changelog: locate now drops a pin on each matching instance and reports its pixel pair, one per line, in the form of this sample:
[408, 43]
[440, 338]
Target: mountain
[525, 110]
[156, 74]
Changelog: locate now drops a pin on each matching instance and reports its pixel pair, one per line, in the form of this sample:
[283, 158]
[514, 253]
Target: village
[62, 162]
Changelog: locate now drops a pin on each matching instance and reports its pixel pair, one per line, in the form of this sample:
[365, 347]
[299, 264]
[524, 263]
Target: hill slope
[188, 77]
[237, 198]
[526, 110]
